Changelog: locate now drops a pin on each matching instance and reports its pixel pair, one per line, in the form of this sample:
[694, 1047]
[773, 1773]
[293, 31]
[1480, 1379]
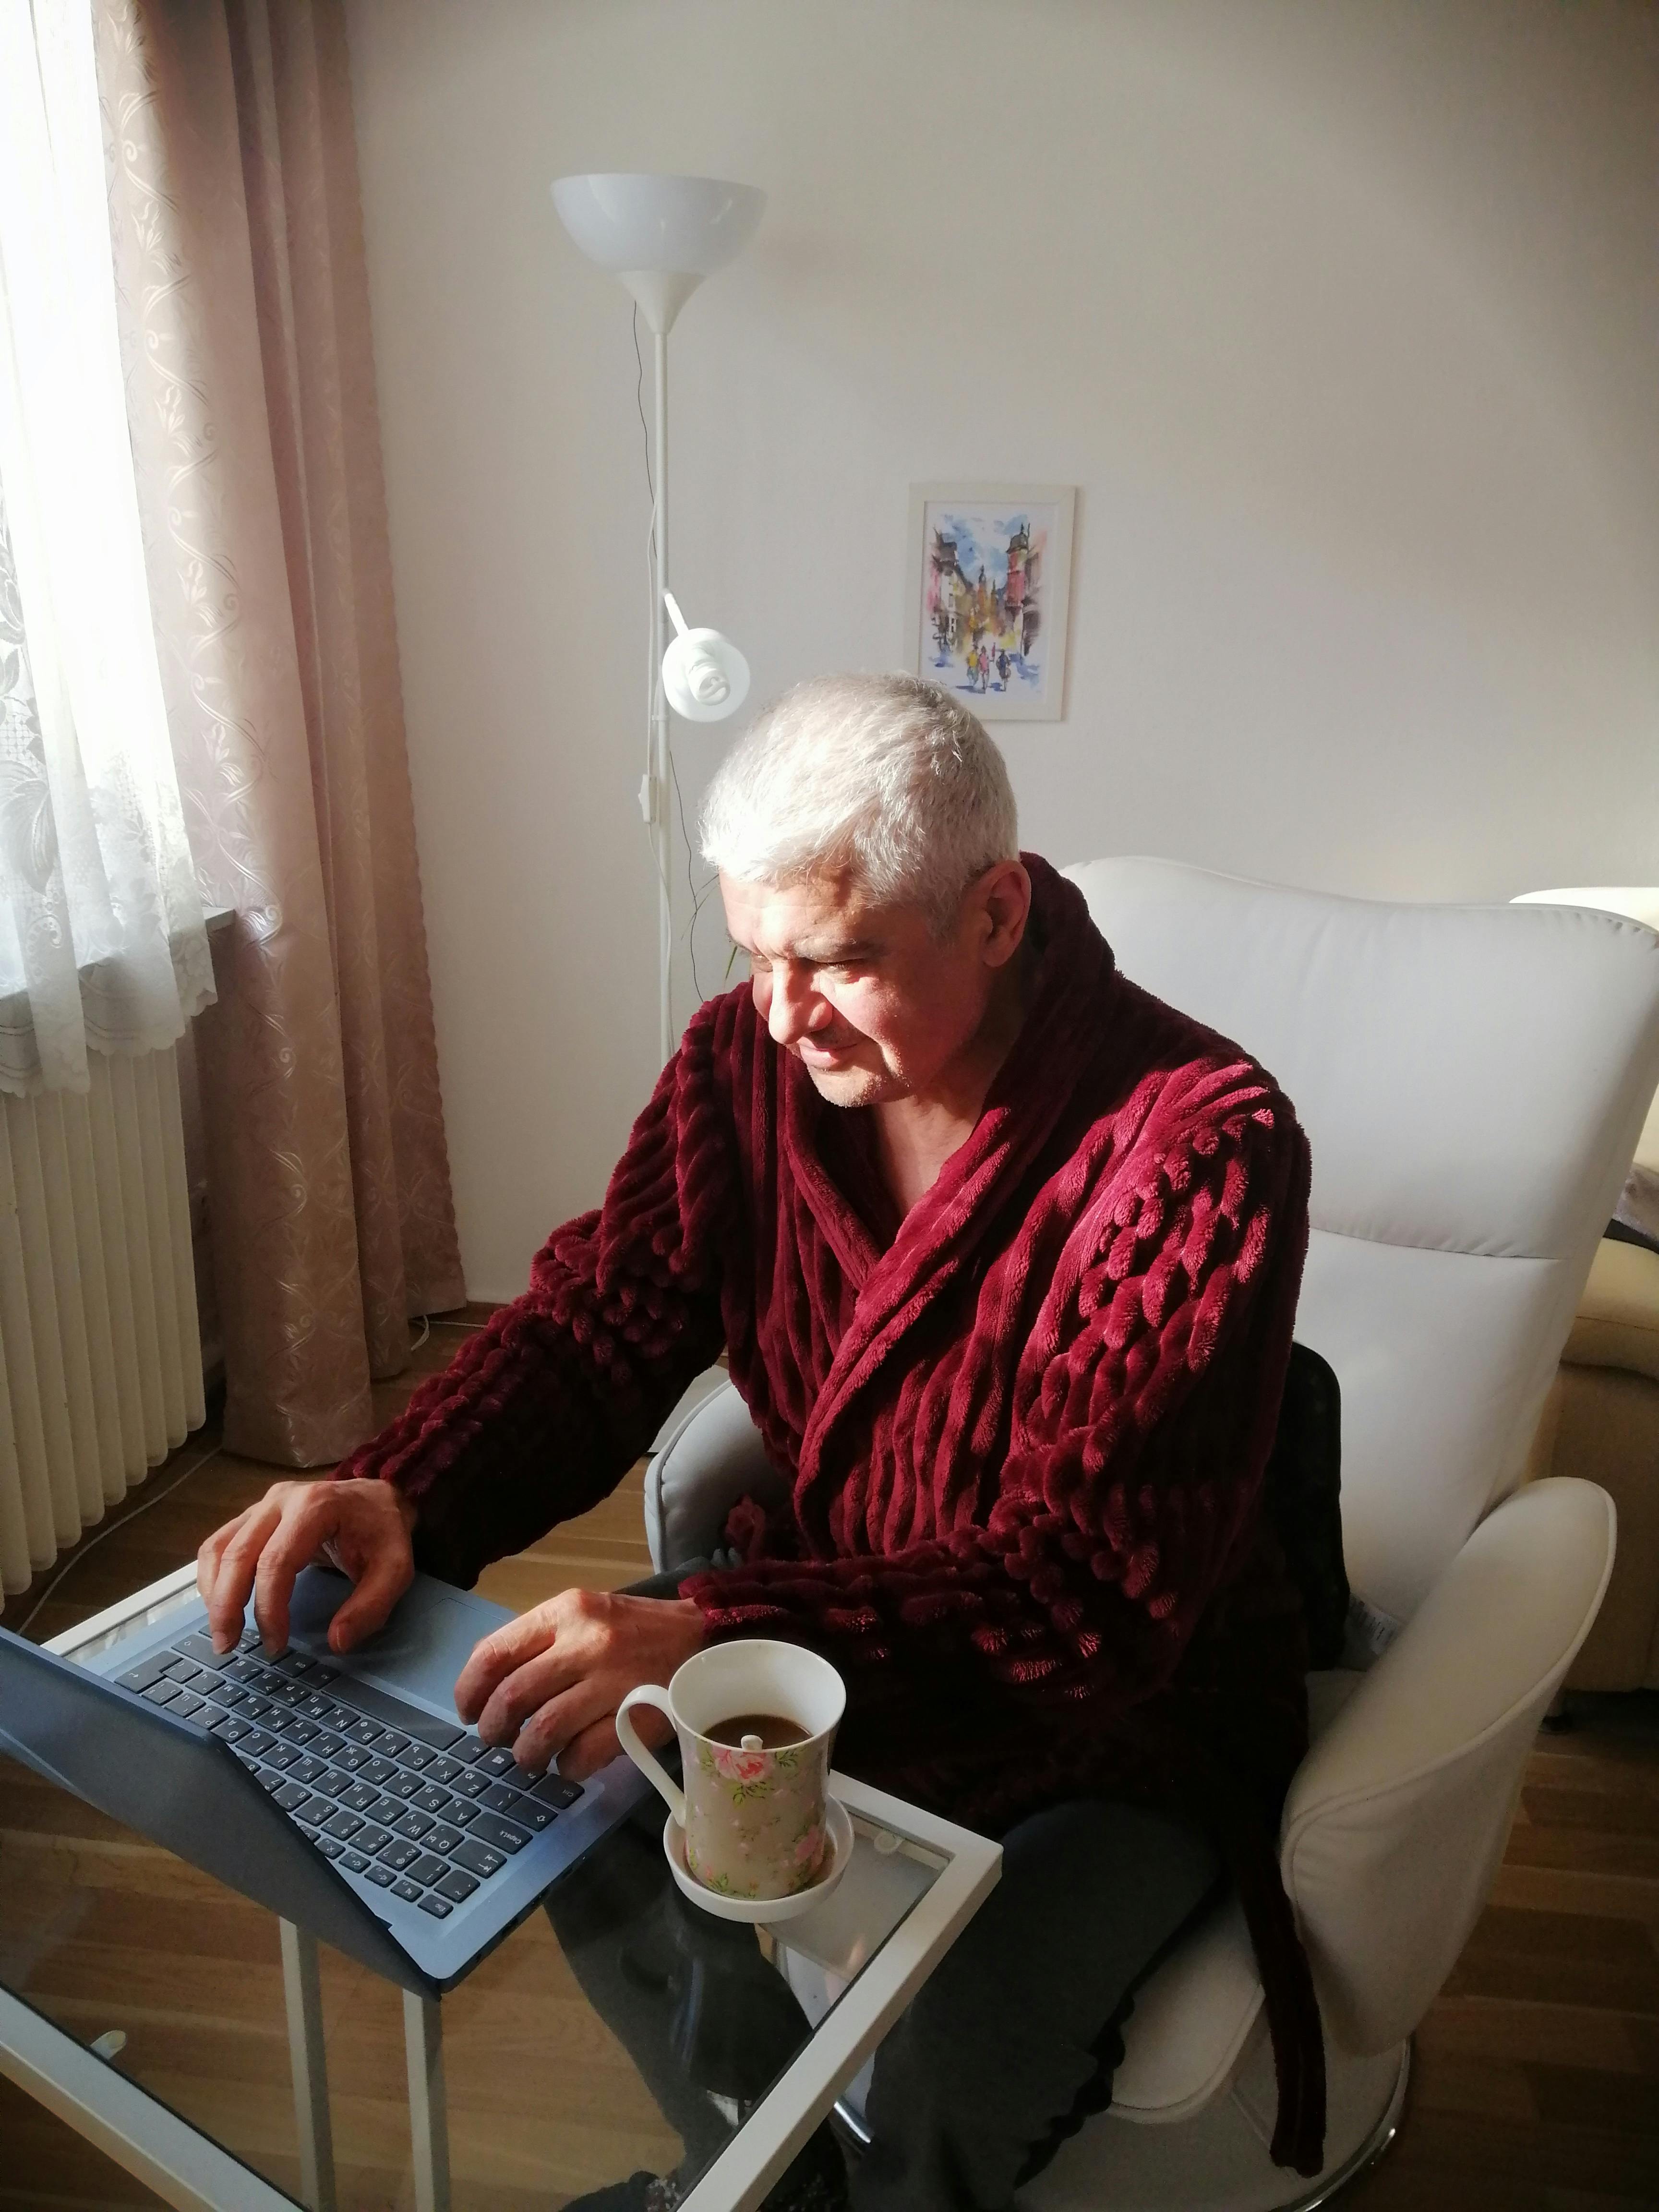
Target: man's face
[871, 1002]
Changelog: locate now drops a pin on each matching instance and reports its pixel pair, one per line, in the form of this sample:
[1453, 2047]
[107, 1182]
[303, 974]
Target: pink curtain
[251, 392]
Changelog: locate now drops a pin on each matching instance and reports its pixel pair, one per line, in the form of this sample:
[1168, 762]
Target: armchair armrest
[708, 1454]
[1397, 1818]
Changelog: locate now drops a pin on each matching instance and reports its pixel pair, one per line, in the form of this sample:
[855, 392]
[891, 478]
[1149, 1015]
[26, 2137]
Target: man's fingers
[233, 1575]
[511, 1702]
[383, 1581]
[496, 1656]
[589, 1749]
[305, 1527]
[559, 1721]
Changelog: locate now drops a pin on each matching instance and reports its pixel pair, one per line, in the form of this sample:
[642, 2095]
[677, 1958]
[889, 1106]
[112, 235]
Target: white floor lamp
[662, 236]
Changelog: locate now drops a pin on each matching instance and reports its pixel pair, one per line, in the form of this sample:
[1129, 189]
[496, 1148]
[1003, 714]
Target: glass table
[227, 2058]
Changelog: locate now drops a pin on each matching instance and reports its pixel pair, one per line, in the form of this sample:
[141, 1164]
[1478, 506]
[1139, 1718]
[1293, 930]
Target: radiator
[101, 1357]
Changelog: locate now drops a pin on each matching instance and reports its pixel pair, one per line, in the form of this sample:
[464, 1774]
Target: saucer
[839, 1822]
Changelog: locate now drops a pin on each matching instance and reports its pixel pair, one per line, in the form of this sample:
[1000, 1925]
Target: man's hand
[549, 1682]
[362, 1527]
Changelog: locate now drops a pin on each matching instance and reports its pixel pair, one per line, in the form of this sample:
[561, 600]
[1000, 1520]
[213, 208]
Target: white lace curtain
[101, 937]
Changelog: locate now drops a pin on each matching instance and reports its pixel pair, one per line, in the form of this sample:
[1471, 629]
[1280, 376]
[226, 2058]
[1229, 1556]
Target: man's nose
[795, 1009]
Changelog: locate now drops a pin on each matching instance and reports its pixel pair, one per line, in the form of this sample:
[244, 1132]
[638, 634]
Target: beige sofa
[1603, 1419]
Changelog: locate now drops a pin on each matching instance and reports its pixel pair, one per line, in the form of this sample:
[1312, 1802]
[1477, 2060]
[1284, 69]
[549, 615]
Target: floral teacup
[754, 1818]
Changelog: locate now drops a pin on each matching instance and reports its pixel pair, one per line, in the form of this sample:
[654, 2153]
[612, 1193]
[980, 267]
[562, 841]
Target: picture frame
[988, 595]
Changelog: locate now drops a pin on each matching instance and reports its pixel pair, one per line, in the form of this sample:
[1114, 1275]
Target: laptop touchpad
[422, 1648]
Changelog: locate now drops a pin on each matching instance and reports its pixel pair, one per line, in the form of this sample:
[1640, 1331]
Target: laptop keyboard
[417, 1805]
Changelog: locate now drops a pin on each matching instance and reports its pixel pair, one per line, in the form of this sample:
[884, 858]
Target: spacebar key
[364, 1698]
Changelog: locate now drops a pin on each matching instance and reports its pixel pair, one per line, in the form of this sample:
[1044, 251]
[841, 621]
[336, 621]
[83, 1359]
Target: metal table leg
[303, 1989]
[428, 2115]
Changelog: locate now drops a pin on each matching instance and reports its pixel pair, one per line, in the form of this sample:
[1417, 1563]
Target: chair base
[1217, 2160]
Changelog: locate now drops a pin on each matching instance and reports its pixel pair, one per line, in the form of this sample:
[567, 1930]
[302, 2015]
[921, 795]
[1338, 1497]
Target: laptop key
[379, 1771]
[553, 1790]
[420, 1756]
[354, 1863]
[359, 1797]
[228, 1693]
[490, 1828]
[439, 1907]
[461, 1813]
[316, 1810]
[309, 1768]
[371, 1839]
[393, 1745]
[345, 1826]
[162, 1692]
[405, 1786]
[333, 1783]
[271, 1780]
[470, 1785]
[431, 1799]
[444, 1840]
[498, 1798]
[427, 1870]
[536, 1817]
[321, 1710]
[387, 1811]
[188, 1706]
[382, 1877]
[444, 1770]
[364, 1732]
[299, 1730]
[468, 1750]
[144, 1675]
[183, 1670]
[230, 1729]
[330, 1746]
[290, 1795]
[284, 1755]
[457, 1885]
[244, 1671]
[409, 1891]
[398, 1854]
[200, 1649]
[498, 1760]
[415, 1826]
[478, 1859]
[352, 1757]
[329, 1848]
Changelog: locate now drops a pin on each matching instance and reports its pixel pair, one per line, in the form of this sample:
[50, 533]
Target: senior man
[1004, 1254]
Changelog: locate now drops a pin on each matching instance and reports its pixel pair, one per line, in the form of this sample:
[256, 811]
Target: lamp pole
[661, 236]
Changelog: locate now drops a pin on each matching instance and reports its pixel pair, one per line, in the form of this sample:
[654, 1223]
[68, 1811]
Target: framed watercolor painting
[990, 581]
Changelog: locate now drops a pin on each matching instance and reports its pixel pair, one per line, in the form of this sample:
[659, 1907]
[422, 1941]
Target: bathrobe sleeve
[546, 1407]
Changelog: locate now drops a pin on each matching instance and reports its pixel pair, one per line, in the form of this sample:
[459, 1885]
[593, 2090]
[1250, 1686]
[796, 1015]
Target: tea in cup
[756, 1724]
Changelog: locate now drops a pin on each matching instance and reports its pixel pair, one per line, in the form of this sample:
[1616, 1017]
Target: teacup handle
[649, 1693]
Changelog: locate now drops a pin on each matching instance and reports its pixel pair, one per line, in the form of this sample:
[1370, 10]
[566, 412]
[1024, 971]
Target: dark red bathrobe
[1027, 1426]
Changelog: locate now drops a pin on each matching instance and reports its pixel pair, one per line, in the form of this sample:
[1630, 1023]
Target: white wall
[1341, 314]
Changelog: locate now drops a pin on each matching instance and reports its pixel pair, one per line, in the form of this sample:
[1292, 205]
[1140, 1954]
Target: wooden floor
[1536, 2086]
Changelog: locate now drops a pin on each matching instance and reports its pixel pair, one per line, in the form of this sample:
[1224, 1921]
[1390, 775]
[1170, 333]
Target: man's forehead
[808, 917]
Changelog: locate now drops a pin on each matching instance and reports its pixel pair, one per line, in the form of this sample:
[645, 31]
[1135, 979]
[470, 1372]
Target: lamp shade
[661, 235]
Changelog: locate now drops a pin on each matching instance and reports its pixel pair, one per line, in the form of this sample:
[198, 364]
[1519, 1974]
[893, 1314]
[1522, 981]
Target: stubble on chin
[854, 1086]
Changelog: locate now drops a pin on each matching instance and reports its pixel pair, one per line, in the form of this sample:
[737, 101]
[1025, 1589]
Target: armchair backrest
[1472, 1080]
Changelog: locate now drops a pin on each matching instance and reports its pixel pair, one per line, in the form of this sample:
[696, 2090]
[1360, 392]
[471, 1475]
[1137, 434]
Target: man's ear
[1003, 895]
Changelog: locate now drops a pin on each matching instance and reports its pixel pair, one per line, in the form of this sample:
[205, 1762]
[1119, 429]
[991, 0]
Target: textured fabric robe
[1026, 1427]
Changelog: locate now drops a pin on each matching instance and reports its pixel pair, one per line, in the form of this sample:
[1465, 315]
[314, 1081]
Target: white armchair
[1472, 1080]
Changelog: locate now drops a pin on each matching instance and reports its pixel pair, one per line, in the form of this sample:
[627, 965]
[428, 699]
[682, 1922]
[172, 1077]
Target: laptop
[342, 1793]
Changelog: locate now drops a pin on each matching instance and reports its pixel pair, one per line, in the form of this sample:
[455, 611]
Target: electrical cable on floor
[109, 1529]
[425, 1330]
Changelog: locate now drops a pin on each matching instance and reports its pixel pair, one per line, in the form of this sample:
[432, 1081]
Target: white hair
[886, 778]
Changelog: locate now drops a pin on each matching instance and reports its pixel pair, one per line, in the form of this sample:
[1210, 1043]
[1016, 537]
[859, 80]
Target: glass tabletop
[619, 2034]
